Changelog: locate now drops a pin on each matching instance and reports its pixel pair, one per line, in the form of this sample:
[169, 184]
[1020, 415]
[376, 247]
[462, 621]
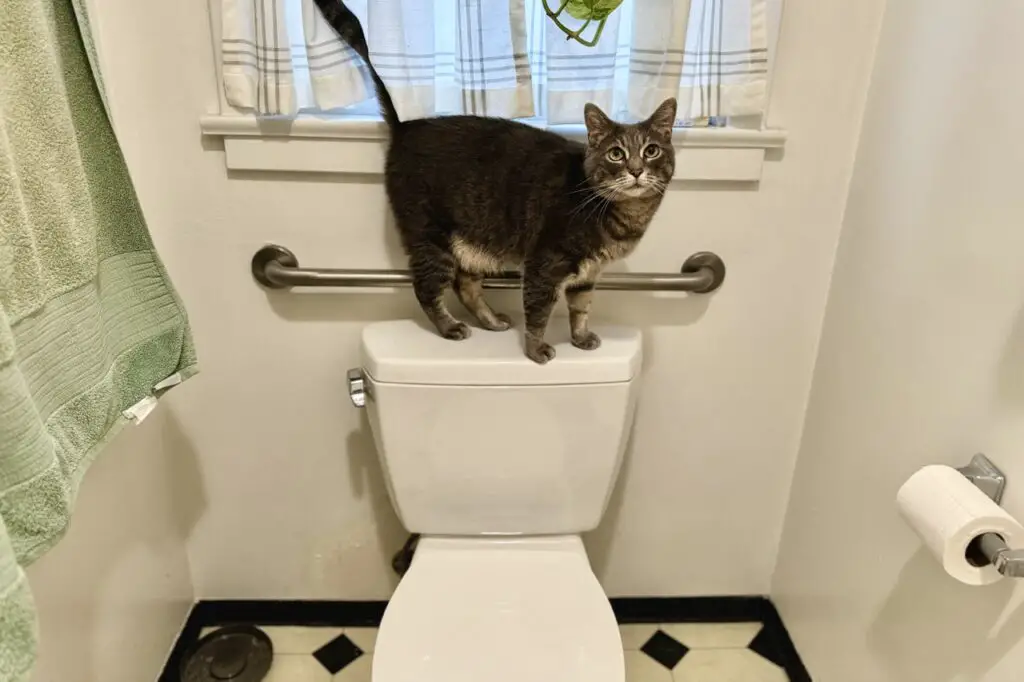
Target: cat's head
[630, 161]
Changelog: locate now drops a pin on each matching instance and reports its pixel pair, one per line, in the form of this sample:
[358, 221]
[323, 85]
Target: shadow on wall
[600, 541]
[184, 477]
[935, 629]
[367, 478]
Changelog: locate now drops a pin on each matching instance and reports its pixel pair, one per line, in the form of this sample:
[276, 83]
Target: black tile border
[338, 614]
[776, 630]
[636, 610]
[740, 609]
[628, 610]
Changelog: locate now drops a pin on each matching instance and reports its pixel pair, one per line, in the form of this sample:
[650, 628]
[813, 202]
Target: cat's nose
[636, 172]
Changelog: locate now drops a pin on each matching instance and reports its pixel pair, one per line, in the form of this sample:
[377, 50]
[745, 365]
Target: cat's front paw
[456, 332]
[587, 341]
[539, 351]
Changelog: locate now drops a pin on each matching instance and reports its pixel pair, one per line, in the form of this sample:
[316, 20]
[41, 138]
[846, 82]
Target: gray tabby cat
[472, 195]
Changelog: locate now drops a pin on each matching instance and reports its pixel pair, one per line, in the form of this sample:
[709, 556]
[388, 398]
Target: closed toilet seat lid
[515, 610]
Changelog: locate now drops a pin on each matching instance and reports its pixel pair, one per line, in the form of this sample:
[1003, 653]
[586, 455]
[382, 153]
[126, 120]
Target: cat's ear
[598, 124]
[663, 118]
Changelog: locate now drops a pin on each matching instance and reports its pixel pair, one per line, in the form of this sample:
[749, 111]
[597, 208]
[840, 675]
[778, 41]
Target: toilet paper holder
[990, 548]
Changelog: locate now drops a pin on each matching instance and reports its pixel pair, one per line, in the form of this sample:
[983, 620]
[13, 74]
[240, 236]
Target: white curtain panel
[576, 74]
[492, 71]
[500, 58]
[330, 73]
[436, 57]
[256, 56]
[710, 54]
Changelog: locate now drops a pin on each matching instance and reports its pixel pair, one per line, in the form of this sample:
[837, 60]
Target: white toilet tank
[475, 439]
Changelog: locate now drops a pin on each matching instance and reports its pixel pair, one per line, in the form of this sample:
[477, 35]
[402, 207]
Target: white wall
[922, 358]
[295, 506]
[113, 594]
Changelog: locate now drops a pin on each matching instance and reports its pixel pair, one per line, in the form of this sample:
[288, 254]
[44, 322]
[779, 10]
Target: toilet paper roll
[948, 511]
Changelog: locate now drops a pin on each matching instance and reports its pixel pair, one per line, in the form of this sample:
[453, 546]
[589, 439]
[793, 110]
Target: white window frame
[351, 145]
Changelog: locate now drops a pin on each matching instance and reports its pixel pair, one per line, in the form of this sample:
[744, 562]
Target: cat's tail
[346, 24]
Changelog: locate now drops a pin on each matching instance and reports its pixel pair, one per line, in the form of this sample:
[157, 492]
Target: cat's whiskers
[603, 211]
[595, 208]
[618, 185]
[583, 186]
[658, 185]
[601, 192]
[589, 200]
[608, 193]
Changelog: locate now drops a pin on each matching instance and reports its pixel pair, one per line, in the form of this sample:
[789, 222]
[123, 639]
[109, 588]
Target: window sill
[356, 146]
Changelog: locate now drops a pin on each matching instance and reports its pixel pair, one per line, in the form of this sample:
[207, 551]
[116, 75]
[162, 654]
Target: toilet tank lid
[408, 352]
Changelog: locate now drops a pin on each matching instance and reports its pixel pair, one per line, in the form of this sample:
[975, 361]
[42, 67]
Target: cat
[473, 195]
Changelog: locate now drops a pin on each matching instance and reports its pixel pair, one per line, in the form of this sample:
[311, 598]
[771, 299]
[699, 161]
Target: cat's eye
[616, 154]
[652, 151]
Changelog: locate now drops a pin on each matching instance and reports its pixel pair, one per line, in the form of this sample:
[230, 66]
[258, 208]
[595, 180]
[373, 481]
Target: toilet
[500, 464]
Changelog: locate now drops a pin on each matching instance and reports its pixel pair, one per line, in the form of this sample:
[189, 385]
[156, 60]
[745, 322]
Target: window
[284, 73]
[506, 58]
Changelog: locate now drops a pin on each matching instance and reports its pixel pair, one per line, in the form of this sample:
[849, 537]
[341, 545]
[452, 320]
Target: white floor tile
[642, 668]
[296, 668]
[726, 665]
[717, 653]
[296, 639]
[635, 636]
[713, 635]
[356, 671]
[364, 638]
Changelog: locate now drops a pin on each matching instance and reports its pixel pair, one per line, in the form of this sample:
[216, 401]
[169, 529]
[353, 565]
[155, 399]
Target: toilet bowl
[497, 609]
[500, 464]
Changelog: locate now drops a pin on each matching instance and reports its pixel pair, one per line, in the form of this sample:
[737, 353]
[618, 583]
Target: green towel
[89, 323]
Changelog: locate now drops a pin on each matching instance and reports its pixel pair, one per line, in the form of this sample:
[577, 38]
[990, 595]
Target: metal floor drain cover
[237, 653]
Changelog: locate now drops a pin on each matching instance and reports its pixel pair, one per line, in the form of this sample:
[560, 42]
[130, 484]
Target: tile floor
[672, 652]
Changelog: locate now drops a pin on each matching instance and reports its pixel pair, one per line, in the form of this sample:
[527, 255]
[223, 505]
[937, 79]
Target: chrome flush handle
[357, 387]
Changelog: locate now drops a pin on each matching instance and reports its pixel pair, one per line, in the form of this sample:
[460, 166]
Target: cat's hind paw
[456, 332]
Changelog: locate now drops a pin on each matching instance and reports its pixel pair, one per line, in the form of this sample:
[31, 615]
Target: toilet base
[402, 560]
[469, 608]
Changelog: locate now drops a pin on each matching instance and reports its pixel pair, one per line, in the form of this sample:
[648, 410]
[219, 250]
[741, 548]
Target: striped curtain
[499, 58]
[256, 59]
[713, 57]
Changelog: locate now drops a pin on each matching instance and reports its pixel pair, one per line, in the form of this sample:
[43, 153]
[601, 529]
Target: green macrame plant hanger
[587, 11]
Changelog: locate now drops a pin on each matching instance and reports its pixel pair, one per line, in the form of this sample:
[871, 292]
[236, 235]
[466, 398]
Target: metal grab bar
[275, 267]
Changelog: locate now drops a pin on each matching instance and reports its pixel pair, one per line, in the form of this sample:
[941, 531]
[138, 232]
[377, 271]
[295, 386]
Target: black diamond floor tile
[664, 649]
[764, 644]
[337, 653]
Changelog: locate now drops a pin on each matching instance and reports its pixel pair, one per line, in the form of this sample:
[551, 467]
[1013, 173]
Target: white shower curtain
[500, 58]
